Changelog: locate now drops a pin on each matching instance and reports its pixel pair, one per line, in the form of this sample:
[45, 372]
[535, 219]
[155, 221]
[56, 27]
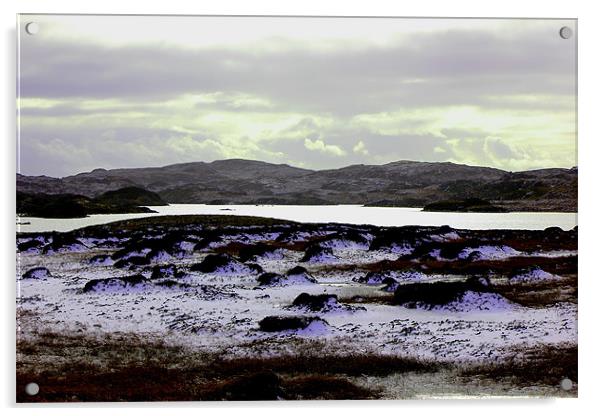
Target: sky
[318, 93]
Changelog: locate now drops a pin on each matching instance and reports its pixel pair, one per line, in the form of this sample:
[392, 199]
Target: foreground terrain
[243, 308]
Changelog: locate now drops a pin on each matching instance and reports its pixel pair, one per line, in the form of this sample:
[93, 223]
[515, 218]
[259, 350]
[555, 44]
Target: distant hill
[121, 201]
[402, 183]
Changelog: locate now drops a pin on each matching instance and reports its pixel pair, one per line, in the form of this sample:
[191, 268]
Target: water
[351, 214]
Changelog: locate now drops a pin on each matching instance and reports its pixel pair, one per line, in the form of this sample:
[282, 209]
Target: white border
[590, 24]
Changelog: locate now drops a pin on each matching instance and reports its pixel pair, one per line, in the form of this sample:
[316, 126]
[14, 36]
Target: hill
[402, 183]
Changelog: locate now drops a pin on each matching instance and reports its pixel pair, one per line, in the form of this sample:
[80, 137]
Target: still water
[350, 214]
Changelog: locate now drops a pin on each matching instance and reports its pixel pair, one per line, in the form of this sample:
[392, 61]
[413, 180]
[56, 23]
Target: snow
[222, 309]
[476, 301]
[534, 275]
[490, 252]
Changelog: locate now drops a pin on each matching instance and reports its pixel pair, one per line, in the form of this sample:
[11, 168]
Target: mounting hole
[566, 32]
[32, 28]
[566, 384]
[32, 389]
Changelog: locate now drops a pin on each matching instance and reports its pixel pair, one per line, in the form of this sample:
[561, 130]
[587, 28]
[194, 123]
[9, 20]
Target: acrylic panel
[295, 208]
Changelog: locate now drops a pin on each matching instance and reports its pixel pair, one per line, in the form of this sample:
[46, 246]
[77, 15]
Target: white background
[590, 118]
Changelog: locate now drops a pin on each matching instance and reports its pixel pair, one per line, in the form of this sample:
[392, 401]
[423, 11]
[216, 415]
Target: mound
[167, 271]
[113, 284]
[300, 275]
[292, 323]
[488, 253]
[101, 260]
[220, 263]
[373, 278]
[477, 301]
[431, 295]
[131, 262]
[62, 243]
[346, 239]
[532, 274]
[252, 252]
[37, 273]
[391, 285]
[318, 254]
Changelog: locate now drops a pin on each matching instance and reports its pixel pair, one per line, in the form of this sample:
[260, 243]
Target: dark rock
[287, 323]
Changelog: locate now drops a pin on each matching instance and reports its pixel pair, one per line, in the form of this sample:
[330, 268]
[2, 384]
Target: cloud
[473, 93]
[360, 148]
[320, 146]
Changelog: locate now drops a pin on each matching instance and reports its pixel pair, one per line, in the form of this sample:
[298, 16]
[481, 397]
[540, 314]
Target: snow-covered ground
[222, 309]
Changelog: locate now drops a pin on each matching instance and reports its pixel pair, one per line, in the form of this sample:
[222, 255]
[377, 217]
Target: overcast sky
[119, 91]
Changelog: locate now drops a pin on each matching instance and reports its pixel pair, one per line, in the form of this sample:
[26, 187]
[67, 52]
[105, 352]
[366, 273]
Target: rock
[288, 323]
[37, 273]
[115, 283]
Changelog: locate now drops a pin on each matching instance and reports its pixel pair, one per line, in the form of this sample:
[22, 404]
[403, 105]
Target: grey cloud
[456, 67]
